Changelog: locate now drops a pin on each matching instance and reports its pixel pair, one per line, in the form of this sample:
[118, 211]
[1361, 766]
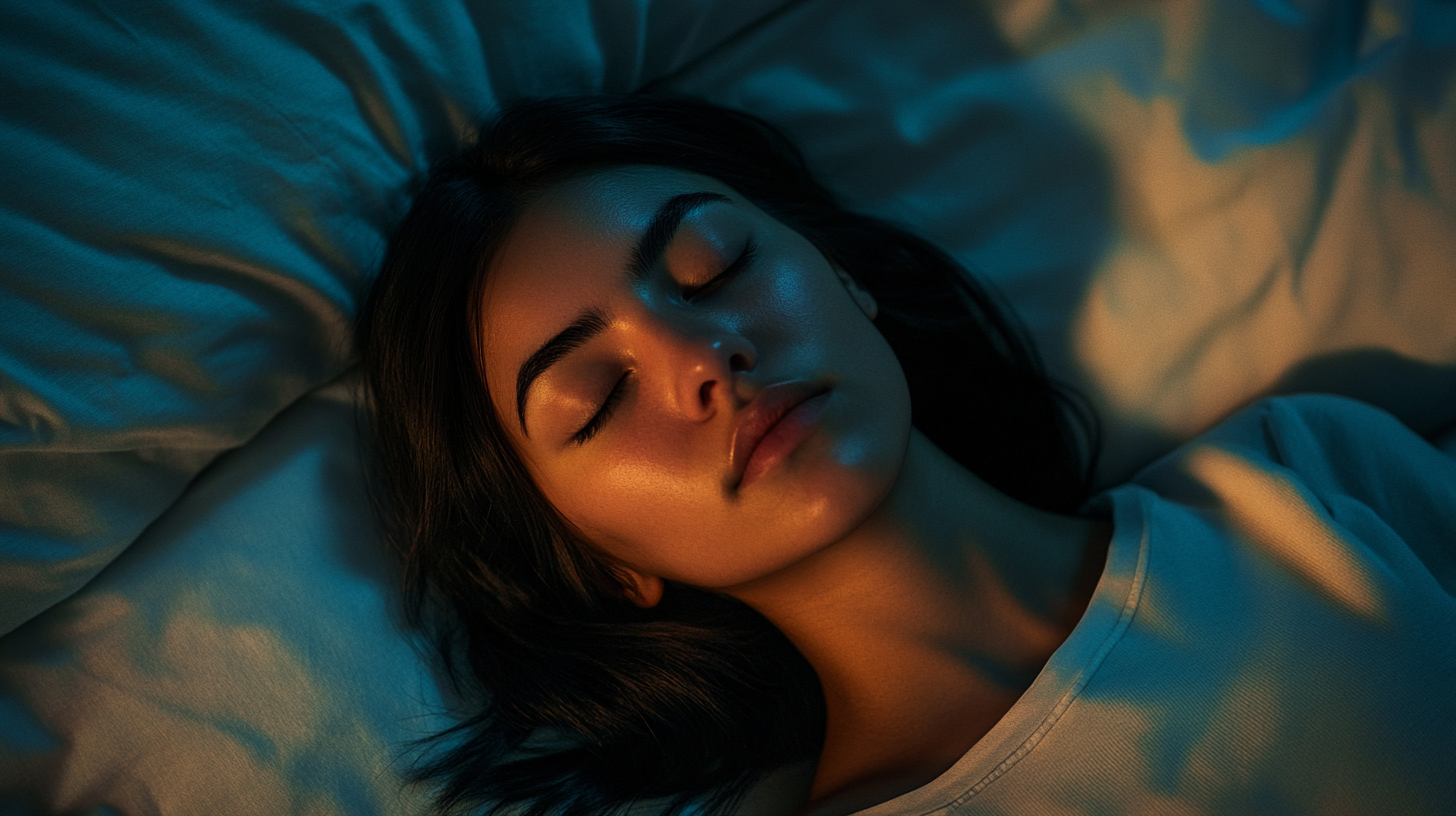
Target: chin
[850, 481]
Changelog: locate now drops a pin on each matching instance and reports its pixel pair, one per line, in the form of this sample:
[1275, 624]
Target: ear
[862, 297]
[642, 590]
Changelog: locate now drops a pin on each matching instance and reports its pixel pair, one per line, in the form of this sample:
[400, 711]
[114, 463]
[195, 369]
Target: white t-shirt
[1275, 632]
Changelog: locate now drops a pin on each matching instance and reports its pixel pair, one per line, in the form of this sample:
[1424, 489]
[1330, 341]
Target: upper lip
[760, 416]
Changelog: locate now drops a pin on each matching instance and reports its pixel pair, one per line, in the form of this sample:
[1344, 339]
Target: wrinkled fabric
[244, 657]
[1189, 205]
[1275, 632]
[194, 197]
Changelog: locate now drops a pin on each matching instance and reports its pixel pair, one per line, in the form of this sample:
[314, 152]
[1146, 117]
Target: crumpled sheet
[194, 196]
[1189, 205]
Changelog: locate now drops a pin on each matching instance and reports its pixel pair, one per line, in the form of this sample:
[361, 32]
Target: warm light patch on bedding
[1271, 513]
[221, 718]
[1248, 265]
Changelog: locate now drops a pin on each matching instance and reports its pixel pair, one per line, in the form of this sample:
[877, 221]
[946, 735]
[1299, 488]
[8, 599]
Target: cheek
[796, 301]
[642, 484]
[805, 312]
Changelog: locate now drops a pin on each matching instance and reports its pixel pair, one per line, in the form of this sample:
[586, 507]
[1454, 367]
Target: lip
[762, 418]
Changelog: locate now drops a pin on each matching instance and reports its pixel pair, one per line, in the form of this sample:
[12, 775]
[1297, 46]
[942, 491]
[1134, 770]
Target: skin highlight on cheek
[736, 304]
[646, 330]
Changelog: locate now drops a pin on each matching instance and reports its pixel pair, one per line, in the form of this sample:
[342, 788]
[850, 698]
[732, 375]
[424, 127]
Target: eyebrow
[662, 227]
[645, 254]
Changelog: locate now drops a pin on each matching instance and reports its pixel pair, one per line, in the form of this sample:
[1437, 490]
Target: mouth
[778, 420]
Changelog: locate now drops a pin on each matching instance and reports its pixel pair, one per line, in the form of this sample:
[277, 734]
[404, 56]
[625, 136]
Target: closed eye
[743, 261]
[603, 413]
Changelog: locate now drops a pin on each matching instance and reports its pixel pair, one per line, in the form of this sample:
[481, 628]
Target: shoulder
[1332, 443]
[1335, 444]
[1343, 463]
[1330, 452]
[1278, 423]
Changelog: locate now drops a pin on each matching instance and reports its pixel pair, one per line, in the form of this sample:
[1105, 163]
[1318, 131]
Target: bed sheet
[1189, 204]
[194, 194]
[243, 657]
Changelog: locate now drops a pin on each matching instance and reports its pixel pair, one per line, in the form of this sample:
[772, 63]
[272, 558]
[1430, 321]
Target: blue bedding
[1189, 206]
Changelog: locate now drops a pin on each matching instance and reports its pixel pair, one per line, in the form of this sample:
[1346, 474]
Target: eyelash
[603, 413]
[743, 261]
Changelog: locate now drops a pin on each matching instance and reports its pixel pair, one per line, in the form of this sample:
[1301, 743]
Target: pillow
[1190, 205]
[245, 656]
[242, 657]
[194, 195]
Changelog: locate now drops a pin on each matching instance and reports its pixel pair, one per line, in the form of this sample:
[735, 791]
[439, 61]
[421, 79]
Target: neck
[928, 621]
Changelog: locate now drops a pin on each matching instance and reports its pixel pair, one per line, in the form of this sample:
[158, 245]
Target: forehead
[604, 206]
[568, 251]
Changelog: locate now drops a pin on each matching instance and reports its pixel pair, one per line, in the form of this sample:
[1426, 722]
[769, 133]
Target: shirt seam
[1124, 621]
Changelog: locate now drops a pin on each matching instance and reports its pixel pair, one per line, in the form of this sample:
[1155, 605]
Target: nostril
[739, 362]
[705, 393]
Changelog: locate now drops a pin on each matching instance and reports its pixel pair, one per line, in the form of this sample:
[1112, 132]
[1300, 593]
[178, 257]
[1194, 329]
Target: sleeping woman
[698, 476]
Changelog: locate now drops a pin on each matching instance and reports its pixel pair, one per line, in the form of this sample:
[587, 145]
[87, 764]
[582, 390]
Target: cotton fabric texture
[1275, 632]
[1190, 205]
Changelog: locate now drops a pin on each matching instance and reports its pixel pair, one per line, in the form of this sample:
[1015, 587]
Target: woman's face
[690, 382]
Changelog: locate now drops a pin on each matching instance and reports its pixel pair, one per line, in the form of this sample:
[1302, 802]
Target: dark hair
[697, 698]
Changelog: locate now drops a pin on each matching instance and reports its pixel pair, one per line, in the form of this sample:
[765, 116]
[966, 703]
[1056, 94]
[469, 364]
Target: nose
[708, 363]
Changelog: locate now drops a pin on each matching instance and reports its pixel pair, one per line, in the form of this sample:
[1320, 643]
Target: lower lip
[785, 436]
